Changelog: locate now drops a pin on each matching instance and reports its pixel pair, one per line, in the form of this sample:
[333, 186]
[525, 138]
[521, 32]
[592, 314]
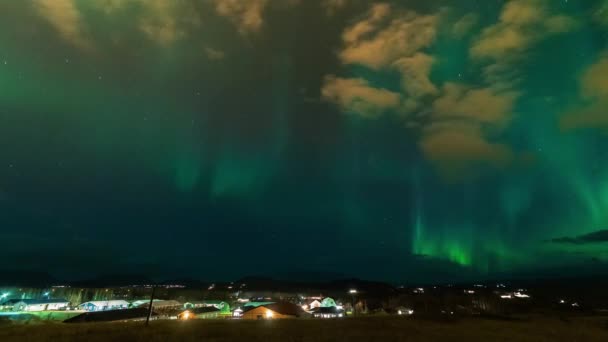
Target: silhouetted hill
[26, 278]
[114, 281]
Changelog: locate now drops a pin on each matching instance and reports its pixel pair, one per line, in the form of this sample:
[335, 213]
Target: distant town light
[304, 307]
[561, 301]
[269, 314]
[352, 291]
[186, 315]
[506, 296]
[4, 295]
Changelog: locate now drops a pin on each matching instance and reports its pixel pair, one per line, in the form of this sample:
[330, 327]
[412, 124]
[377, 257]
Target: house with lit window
[281, 310]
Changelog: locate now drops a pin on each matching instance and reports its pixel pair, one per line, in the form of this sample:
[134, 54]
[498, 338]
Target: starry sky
[397, 140]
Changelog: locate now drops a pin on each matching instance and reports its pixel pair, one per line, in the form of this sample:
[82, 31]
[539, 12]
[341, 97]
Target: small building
[40, 304]
[314, 304]
[209, 312]
[218, 304]
[328, 312]
[280, 310]
[157, 304]
[104, 305]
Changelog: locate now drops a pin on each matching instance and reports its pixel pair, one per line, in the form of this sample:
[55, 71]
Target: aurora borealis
[399, 140]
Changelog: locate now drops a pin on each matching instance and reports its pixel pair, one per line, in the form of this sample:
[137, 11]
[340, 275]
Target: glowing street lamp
[269, 314]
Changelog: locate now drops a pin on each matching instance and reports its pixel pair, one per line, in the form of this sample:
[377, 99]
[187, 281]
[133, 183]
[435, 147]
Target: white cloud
[355, 95]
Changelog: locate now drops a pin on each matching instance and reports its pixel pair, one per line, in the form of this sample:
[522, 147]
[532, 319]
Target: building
[104, 305]
[327, 312]
[218, 304]
[280, 310]
[40, 304]
[157, 304]
[209, 312]
[9, 304]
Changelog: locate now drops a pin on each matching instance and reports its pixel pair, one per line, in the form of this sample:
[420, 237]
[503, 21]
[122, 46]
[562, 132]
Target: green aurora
[424, 140]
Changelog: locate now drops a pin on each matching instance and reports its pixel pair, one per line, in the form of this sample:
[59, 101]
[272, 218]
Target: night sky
[402, 140]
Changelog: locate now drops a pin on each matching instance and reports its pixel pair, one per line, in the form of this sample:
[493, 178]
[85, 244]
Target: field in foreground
[358, 329]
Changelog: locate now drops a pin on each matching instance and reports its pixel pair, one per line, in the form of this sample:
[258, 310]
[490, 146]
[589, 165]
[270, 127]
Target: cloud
[245, 14]
[65, 17]
[383, 37]
[214, 54]
[391, 40]
[594, 91]
[594, 237]
[462, 118]
[166, 21]
[522, 24]
[415, 71]
[464, 25]
[332, 6]
[479, 105]
[355, 95]
[458, 148]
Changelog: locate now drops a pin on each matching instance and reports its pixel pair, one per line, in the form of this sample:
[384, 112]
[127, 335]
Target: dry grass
[358, 329]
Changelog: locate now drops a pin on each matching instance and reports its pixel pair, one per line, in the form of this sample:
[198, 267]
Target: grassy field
[355, 329]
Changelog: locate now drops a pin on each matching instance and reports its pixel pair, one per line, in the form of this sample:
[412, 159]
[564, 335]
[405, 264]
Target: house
[328, 302]
[104, 305]
[40, 304]
[9, 304]
[157, 304]
[279, 310]
[328, 312]
[314, 304]
[218, 304]
[209, 312]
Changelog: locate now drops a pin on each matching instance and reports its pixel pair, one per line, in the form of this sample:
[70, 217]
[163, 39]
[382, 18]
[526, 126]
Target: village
[270, 300]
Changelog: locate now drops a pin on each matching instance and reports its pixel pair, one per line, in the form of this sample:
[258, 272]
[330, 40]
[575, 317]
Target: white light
[507, 296]
[269, 314]
[561, 301]
[340, 315]
[304, 307]
[352, 291]
[186, 315]
[410, 312]
[400, 312]
[520, 295]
